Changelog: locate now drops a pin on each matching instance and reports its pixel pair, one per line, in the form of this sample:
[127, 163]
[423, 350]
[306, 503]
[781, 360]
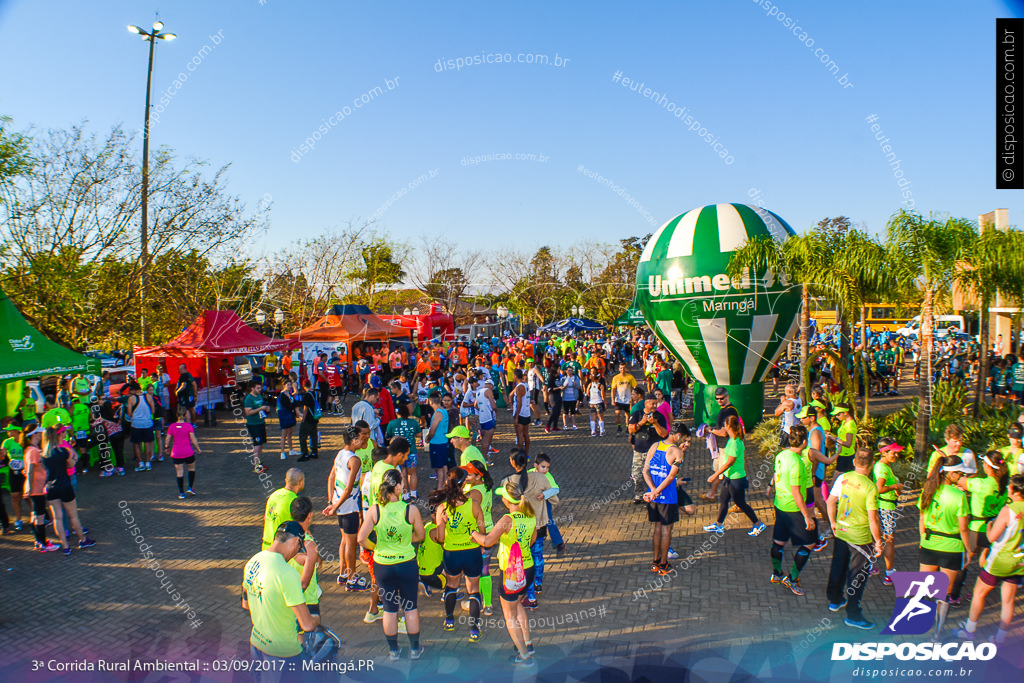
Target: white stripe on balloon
[670, 331]
[681, 243]
[760, 334]
[732, 233]
[715, 336]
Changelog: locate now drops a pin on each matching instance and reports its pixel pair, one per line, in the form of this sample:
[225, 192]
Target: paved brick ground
[603, 613]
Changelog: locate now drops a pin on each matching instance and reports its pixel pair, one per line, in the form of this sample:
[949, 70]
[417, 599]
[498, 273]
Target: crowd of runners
[400, 537]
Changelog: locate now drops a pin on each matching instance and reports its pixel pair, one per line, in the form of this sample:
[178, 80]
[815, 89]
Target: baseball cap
[11, 427]
[293, 528]
[817, 404]
[33, 430]
[459, 431]
[807, 411]
[962, 467]
[839, 408]
[890, 448]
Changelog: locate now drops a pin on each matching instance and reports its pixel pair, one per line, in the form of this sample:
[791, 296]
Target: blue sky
[925, 69]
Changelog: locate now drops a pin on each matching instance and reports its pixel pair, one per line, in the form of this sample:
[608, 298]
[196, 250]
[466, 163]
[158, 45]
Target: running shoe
[962, 634]
[758, 528]
[259, 469]
[449, 624]
[140, 467]
[618, 430]
[953, 602]
[655, 567]
[401, 626]
[793, 585]
[520, 661]
[160, 459]
[529, 604]
[827, 534]
[820, 545]
[107, 473]
[474, 635]
[17, 525]
[49, 547]
[181, 496]
[665, 569]
[887, 581]
[833, 607]
[537, 423]
[395, 655]
[294, 452]
[715, 528]
[672, 554]
[417, 653]
[602, 433]
[861, 623]
[488, 611]
[149, 466]
[638, 501]
[67, 551]
[370, 617]
[342, 579]
[284, 456]
[119, 471]
[191, 491]
[492, 450]
[874, 571]
[575, 428]
[87, 543]
[357, 584]
[547, 430]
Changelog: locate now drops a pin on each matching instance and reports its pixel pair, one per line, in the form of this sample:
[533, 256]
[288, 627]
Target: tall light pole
[152, 37]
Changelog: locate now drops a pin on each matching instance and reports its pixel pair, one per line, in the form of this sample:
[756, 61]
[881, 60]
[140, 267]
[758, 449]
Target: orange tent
[344, 326]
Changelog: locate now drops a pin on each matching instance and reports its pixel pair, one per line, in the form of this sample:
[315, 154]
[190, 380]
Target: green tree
[377, 270]
[925, 252]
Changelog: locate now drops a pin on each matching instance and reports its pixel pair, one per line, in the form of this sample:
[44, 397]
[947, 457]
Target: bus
[880, 316]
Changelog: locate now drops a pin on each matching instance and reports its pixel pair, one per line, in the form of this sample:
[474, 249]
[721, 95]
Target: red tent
[213, 336]
[432, 325]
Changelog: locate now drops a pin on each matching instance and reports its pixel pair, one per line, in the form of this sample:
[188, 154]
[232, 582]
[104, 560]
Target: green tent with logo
[27, 354]
[631, 316]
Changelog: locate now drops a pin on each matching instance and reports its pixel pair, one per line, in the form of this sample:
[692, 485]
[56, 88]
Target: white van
[943, 324]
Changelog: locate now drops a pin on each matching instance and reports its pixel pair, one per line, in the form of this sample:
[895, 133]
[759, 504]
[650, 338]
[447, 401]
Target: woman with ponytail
[457, 516]
[60, 493]
[944, 520]
[519, 526]
[536, 489]
[480, 487]
[986, 494]
[397, 526]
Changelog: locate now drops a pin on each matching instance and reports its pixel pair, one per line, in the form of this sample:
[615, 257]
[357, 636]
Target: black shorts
[790, 526]
[314, 609]
[64, 495]
[844, 463]
[184, 461]
[597, 407]
[663, 513]
[142, 435]
[524, 421]
[187, 402]
[512, 597]
[258, 434]
[469, 562]
[398, 585]
[940, 559]
[684, 498]
[570, 407]
[16, 481]
[349, 523]
[623, 407]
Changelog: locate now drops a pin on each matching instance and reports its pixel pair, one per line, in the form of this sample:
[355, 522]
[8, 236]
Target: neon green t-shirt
[738, 469]
[789, 471]
[1013, 460]
[472, 453]
[948, 505]
[985, 501]
[394, 535]
[857, 496]
[376, 477]
[848, 427]
[1006, 557]
[15, 453]
[460, 523]
[277, 513]
[272, 588]
[885, 477]
[313, 591]
[429, 554]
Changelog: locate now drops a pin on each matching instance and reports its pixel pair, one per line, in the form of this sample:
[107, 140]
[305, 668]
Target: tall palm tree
[805, 259]
[925, 252]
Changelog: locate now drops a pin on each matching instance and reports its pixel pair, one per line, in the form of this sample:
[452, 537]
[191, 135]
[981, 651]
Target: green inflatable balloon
[727, 331]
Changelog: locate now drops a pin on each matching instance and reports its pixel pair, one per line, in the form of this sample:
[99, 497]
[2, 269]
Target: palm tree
[805, 258]
[925, 252]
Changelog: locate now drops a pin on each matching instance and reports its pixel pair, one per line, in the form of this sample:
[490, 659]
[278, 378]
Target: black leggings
[736, 491]
[556, 408]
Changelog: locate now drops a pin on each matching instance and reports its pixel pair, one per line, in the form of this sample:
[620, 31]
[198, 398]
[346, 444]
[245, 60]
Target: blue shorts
[438, 455]
[485, 426]
[469, 562]
[411, 461]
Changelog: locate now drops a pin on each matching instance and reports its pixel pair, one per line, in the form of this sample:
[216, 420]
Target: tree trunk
[979, 388]
[924, 406]
[1020, 329]
[805, 343]
[844, 345]
[863, 361]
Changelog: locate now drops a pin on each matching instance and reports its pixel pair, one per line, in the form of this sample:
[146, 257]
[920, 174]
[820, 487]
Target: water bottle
[318, 440]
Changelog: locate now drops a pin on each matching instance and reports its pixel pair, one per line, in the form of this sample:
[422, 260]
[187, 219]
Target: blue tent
[570, 325]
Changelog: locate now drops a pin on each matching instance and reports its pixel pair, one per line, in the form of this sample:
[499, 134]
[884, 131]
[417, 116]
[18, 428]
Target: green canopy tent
[26, 354]
[631, 316]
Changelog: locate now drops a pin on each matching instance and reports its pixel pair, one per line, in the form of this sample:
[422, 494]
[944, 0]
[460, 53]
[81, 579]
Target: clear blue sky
[926, 69]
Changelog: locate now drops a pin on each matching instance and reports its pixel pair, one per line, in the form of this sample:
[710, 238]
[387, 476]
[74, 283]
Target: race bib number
[81, 435]
[17, 465]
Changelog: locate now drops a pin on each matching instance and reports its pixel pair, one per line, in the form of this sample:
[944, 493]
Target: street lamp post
[261, 319]
[152, 37]
[279, 320]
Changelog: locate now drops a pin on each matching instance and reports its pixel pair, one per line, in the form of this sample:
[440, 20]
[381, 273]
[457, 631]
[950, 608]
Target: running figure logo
[916, 593]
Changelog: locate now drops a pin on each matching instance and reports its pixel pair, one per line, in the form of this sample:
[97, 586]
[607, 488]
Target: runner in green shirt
[273, 596]
[732, 465]
[305, 563]
[889, 490]
[793, 521]
[943, 525]
[1013, 455]
[986, 495]
[1004, 565]
[12, 472]
[278, 510]
[853, 513]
